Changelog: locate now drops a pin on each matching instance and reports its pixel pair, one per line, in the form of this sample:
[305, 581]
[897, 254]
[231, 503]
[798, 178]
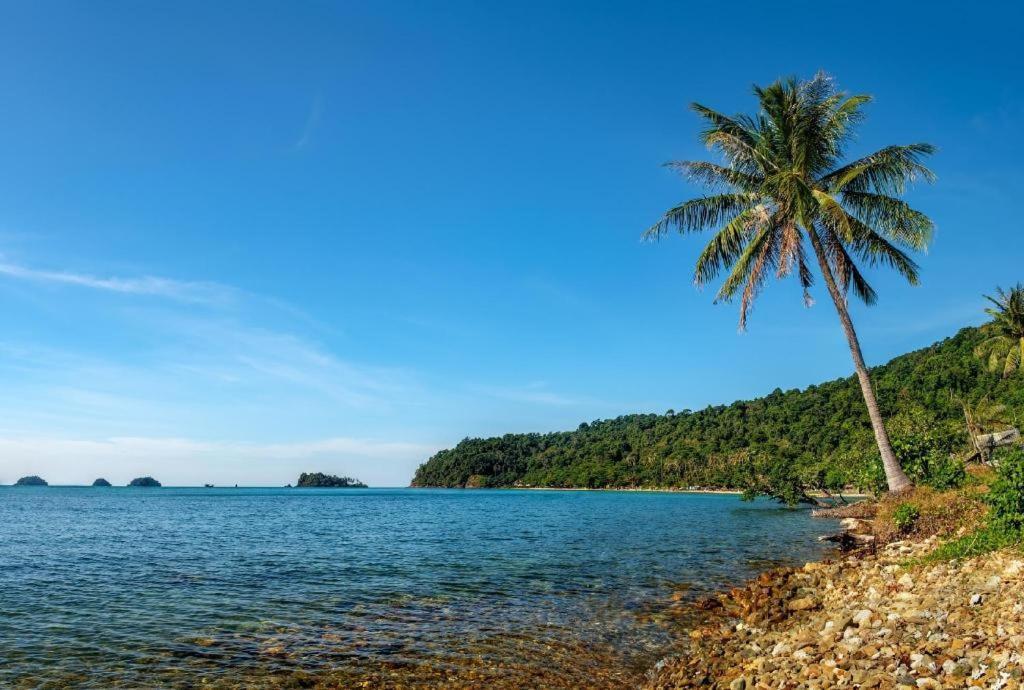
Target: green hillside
[820, 434]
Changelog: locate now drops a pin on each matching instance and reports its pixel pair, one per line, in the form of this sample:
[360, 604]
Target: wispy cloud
[183, 291]
[312, 121]
[555, 293]
[134, 384]
[535, 393]
[257, 356]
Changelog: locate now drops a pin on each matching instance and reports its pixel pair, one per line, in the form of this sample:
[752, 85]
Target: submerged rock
[101, 482]
[144, 481]
[31, 480]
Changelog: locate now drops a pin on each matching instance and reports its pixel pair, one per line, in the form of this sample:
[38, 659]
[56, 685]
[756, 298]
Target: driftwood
[1000, 438]
[984, 444]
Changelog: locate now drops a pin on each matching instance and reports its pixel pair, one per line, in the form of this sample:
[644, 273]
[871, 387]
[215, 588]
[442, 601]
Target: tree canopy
[821, 435]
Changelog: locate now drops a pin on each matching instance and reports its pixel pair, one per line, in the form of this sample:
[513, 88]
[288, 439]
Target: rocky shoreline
[874, 618]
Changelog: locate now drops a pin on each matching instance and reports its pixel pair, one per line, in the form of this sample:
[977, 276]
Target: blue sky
[241, 240]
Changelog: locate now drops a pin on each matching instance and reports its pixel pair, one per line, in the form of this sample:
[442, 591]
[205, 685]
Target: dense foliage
[144, 482]
[819, 437]
[1004, 525]
[1006, 495]
[319, 479]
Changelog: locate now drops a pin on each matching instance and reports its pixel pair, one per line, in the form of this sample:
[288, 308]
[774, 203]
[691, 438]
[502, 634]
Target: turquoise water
[109, 587]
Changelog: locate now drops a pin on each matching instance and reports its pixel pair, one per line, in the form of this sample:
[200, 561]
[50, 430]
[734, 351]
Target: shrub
[925, 447]
[1006, 513]
[1006, 495]
[905, 517]
[974, 544]
[942, 471]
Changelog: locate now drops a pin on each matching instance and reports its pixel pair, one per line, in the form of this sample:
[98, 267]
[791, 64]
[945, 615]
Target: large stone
[802, 604]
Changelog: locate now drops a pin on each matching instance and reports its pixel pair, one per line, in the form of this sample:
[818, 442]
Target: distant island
[321, 480]
[101, 482]
[144, 481]
[31, 480]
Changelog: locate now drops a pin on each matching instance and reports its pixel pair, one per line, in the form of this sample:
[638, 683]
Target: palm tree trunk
[895, 477]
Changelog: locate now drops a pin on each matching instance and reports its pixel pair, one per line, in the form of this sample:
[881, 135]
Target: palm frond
[735, 138]
[845, 269]
[842, 117]
[1012, 362]
[887, 171]
[869, 244]
[789, 250]
[700, 214]
[713, 175]
[741, 267]
[727, 245]
[805, 275]
[1004, 349]
[893, 217]
[766, 260]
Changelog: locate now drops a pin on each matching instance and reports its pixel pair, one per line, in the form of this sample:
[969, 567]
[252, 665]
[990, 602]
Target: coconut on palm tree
[784, 200]
[1004, 348]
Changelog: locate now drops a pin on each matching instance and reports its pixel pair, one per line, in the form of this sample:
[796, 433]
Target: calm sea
[167, 587]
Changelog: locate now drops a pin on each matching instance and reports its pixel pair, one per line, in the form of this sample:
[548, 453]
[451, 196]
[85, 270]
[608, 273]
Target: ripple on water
[419, 588]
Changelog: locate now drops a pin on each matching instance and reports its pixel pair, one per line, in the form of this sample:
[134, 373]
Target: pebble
[864, 622]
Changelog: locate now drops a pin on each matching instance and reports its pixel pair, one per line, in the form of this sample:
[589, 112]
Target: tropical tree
[784, 199]
[1004, 349]
[982, 417]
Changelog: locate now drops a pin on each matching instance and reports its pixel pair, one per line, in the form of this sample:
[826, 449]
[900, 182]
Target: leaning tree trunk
[895, 477]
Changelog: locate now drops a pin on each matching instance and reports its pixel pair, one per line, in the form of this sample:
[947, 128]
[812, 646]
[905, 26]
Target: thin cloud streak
[183, 291]
[311, 124]
[536, 393]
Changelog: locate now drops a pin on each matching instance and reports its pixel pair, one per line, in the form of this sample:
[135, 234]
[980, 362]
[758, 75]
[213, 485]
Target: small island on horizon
[31, 480]
[321, 480]
[144, 482]
[101, 482]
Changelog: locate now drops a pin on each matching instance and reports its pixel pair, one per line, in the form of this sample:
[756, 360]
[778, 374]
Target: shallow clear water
[248, 587]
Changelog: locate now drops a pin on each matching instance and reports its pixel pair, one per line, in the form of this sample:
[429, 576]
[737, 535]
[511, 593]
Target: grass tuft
[940, 513]
[976, 543]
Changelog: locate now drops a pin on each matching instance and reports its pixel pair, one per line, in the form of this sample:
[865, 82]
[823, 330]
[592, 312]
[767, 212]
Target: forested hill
[821, 432]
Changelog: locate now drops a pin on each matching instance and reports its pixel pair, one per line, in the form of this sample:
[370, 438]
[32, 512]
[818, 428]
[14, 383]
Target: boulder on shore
[476, 481]
[319, 479]
[31, 480]
[144, 481]
[864, 621]
[101, 482]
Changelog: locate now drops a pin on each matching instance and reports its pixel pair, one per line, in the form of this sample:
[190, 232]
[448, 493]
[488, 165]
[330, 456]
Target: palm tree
[1004, 349]
[783, 187]
[982, 417]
